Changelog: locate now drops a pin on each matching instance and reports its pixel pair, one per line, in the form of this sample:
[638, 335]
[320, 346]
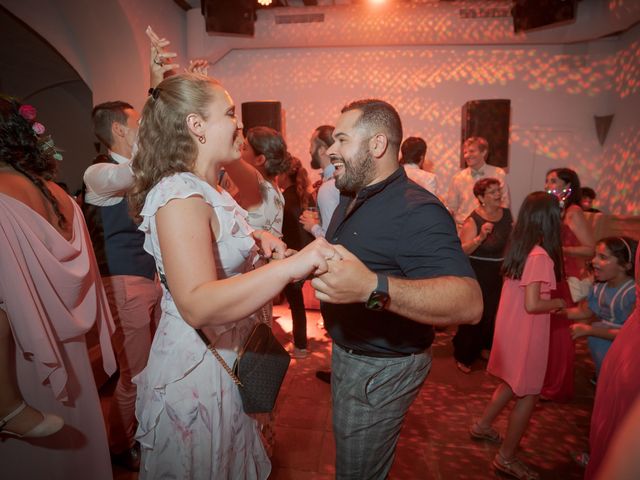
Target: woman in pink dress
[578, 246]
[50, 296]
[618, 387]
[519, 354]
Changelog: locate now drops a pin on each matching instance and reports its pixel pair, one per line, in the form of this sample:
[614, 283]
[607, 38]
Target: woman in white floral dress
[191, 422]
[265, 149]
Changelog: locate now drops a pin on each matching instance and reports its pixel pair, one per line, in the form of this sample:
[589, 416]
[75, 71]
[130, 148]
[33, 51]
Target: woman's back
[19, 187]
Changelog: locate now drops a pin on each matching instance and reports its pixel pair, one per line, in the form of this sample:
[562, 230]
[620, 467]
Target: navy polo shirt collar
[371, 190]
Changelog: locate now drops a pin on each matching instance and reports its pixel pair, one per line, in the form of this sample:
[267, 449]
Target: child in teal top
[611, 299]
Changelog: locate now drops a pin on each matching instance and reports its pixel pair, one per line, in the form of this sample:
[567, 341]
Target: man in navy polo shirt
[400, 271]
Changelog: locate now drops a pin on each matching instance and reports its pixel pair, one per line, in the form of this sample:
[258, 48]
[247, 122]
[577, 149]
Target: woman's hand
[199, 66]
[271, 247]
[160, 60]
[312, 259]
[486, 230]
[309, 220]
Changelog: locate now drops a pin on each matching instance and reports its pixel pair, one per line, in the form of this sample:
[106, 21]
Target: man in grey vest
[128, 272]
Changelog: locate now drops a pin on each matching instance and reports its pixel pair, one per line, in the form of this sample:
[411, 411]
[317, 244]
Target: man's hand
[348, 280]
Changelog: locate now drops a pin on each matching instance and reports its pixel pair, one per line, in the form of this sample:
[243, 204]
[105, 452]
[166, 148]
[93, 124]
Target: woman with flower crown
[578, 246]
[50, 296]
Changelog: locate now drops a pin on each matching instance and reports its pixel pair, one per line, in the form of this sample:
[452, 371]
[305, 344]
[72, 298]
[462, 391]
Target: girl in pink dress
[531, 267]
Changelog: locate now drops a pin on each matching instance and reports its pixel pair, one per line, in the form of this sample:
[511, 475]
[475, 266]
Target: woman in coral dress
[577, 247]
[618, 387]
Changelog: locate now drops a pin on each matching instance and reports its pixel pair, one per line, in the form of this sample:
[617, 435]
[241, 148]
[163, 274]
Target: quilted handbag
[259, 369]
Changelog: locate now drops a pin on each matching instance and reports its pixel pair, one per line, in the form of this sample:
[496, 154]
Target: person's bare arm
[581, 312]
[186, 232]
[470, 238]
[580, 227]
[247, 180]
[622, 461]
[583, 330]
[534, 304]
[435, 301]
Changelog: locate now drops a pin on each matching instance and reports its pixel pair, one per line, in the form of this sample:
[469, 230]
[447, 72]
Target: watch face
[377, 300]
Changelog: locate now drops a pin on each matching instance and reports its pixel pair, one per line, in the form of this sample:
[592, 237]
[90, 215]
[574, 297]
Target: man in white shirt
[460, 198]
[128, 272]
[328, 195]
[327, 198]
[414, 151]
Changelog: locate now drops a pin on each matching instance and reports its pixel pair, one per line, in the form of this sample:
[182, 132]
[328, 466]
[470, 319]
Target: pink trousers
[135, 306]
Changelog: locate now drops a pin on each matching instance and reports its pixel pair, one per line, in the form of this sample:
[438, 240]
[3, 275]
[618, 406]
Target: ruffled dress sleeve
[235, 242]
[539, 268]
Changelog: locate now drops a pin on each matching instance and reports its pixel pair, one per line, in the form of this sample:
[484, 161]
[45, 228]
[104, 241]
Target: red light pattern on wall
[550, 88]
[620, 173]
[627, 79]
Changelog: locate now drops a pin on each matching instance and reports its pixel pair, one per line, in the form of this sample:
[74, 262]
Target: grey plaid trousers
[371, 397]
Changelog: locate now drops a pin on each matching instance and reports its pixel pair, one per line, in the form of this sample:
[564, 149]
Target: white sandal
[49, 425]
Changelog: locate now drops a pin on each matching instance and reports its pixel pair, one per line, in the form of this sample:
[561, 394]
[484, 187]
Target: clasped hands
[338, 275]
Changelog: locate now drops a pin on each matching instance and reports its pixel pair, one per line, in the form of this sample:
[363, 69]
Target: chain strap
[264, 318]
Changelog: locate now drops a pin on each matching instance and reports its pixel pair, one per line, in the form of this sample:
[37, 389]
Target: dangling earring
[202, 139]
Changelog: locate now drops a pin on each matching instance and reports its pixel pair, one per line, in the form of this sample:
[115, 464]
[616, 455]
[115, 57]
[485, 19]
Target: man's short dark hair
[104, 115]
[413, 150]
[325, 134]
[378, 114]
[589, 193]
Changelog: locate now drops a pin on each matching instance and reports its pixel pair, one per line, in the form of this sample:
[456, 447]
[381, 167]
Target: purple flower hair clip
[38, 128]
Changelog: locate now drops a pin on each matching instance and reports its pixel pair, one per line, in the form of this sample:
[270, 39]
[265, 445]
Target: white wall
[618, 172]
[104, 40]
[554, 90]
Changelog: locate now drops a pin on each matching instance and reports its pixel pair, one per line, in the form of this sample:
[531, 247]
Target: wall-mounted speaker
[532, 14]
[262, 114]
[235, 17]
[488, 119]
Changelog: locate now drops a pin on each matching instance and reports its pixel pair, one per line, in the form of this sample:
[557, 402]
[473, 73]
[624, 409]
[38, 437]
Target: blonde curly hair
[165, 144]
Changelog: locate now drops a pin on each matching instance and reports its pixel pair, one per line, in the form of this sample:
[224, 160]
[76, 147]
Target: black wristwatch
[379, 298]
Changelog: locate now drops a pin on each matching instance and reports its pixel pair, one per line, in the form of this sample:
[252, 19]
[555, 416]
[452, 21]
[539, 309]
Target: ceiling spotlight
[264, 3]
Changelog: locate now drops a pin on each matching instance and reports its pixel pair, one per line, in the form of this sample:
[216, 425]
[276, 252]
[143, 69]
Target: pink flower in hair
[27, 112]
[38, 128]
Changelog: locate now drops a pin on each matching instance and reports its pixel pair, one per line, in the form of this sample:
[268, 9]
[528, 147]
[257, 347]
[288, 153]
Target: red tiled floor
[434, 443]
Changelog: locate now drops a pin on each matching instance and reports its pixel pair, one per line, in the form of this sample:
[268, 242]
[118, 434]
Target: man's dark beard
[358, 176]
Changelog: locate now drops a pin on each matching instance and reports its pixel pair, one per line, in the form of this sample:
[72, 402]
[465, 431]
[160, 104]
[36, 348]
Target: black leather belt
[364, 353]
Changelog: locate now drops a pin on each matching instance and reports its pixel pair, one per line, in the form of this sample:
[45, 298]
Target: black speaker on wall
[532, 14]
[234, 17]
[488, 119]
[262, 114]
